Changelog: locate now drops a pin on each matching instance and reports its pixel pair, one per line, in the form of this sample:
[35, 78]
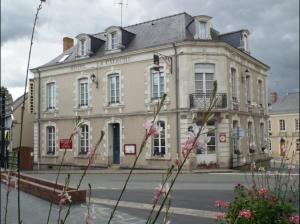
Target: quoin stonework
[110, 81]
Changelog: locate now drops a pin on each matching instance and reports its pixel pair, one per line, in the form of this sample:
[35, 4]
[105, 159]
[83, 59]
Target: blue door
[116, 143]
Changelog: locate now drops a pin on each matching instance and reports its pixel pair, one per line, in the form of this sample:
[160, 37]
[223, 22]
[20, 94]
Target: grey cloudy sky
[273, 24]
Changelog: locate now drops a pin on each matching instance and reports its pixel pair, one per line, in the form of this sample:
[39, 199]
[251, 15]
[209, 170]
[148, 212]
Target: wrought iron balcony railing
[203, 100]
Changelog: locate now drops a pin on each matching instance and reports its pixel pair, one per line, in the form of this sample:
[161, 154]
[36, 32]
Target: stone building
[110, 81]
[284, 126]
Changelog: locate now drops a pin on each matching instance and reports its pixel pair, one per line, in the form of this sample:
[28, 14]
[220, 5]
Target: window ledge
[81, 156]
[114, 106]
[50, 156]
[51, 111]
[111, 51]
[83, 108]
[152, 102]
[165, 157]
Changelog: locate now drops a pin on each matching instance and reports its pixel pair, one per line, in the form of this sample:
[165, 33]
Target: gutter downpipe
[177, 100]
[38, 118]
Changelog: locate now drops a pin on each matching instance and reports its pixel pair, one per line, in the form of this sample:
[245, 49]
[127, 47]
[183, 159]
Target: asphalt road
[192, 202]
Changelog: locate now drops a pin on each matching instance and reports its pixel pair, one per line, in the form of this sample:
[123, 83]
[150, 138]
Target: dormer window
[82, 47]
[202, 27]
[202, 30]
[114, 40]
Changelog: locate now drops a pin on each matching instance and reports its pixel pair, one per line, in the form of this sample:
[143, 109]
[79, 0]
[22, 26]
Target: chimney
[67, 43]
[274, 97]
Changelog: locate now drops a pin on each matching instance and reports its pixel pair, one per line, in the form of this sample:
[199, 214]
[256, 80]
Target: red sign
[65, 144]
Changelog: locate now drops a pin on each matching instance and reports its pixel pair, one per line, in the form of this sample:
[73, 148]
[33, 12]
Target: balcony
[203, 100]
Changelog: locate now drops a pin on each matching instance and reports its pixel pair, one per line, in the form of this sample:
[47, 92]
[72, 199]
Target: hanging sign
[65, 143]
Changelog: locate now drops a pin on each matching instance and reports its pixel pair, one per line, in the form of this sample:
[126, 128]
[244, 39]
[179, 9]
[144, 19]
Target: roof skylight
[64, 58]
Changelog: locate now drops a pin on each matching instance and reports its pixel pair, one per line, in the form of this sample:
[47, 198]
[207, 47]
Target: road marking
[174, 210]
[256, 174]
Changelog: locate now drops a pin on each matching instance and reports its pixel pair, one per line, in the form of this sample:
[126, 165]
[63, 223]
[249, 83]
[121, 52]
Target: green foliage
[265, 207]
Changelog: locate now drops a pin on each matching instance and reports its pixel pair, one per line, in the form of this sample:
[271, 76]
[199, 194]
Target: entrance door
[116, 143]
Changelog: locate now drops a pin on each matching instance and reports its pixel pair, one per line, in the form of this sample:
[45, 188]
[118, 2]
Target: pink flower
[91, 154]
[218, 203]
[64, 198]
[247, 214]
[159, 191]
[178, 162]
[263, 191]
[219, 216]
[88, 218]
[294, 219]
[62, 202]
[151, 129]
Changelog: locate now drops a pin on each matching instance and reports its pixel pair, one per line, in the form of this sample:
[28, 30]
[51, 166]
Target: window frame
[297, 124]
[50, 96]
[260, 92]
[248, 89]
[114, 40]
[114, 98]
[161, 82]
[83, 97]
[203, 32]
[84, 136]
[82, 47]
[161, 137]
[250, 129]
[50, 140]
[233, 76]
[205, 71]
[282, 123]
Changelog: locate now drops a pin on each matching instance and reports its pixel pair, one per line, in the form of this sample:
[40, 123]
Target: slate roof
[289, 104]
[157, 32]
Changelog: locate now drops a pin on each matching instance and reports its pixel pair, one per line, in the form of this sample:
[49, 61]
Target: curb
[126, 171]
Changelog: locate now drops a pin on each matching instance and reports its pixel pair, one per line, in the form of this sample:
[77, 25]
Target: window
[204, 78]
[84, 139]
[114, 89]
[114, 40]
[250, 132]
[235, 137]
[297, 124]
[202, 30]
[82, 47]
[270, 127]
[233, 84]
[281, 125]
[211, 145]
[297, 145]
[63, 58]
[262, 134]
[260, 91]
[51, 96]
[50, 132]
[159, 142]
[248, 93]
[157, 83]
[83, 92]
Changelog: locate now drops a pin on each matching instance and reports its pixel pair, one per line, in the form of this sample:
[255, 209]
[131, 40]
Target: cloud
[273, 24]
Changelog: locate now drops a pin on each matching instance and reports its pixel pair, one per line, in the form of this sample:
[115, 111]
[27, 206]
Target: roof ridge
[157, 19]
[147, 22]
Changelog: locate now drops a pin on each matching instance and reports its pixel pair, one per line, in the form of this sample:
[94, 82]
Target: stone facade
[180, 61]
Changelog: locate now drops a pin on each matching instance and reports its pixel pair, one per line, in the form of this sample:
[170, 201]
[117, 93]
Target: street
[193, 195]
